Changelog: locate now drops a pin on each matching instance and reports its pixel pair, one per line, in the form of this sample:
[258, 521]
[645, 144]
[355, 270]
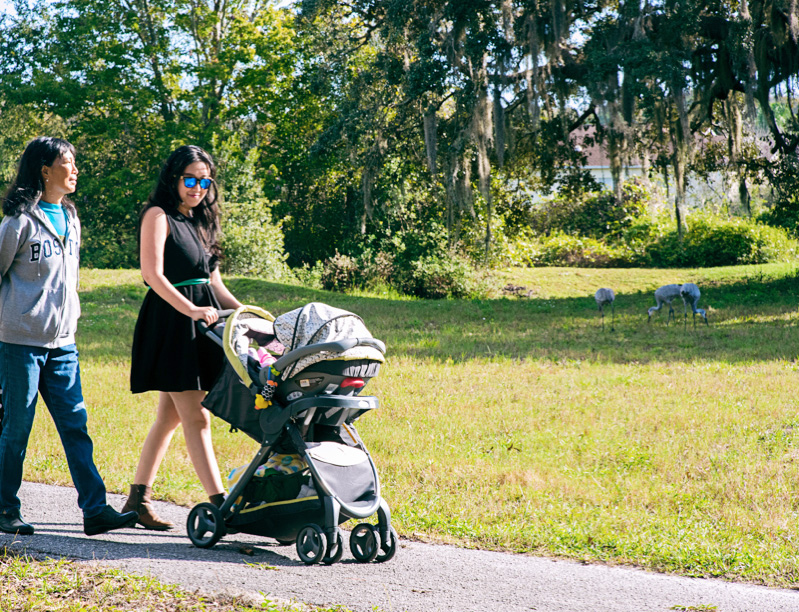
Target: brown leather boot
[140, 501]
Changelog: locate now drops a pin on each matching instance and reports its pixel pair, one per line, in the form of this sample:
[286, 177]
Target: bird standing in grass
[665, 295]
[690, 295]
[604, 297]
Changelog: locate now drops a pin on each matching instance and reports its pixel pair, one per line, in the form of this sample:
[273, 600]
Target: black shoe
[108, 520]
[13, 523]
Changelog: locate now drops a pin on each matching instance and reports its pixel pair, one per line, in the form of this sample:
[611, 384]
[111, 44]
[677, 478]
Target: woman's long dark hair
[28, 186]
[165, 195]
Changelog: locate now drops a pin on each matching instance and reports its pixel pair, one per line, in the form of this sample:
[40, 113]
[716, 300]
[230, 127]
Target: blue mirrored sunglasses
[191, 181]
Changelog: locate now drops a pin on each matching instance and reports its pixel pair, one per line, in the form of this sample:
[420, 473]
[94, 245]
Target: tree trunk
[367, 182]
[532, 74]
[679, 192]
[499, 128]
[681, 141]
[735, 149]
[482, 134]
[615, 146]
[430, 137]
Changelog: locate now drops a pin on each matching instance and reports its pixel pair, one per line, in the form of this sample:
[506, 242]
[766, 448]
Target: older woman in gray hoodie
[39, 310]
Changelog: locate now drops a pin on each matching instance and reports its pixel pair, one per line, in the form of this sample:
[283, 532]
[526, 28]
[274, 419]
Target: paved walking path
[421, 578]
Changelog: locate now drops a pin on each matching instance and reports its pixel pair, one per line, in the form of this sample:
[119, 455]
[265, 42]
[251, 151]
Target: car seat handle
[339, 346]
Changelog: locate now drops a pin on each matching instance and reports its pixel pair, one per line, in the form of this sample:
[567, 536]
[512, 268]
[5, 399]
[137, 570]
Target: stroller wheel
[334, 550]
[311, 544]
[387, 549]
[363, 542]
[205, 525]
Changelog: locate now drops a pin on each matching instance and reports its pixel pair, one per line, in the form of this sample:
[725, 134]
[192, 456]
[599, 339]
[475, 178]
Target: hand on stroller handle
[222, 314]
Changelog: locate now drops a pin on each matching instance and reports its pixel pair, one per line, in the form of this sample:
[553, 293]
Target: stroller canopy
[315, 323]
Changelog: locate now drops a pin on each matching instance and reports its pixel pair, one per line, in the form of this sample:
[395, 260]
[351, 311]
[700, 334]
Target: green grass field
[517, 424]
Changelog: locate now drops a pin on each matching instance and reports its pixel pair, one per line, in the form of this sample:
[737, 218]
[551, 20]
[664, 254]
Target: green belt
[193, 281]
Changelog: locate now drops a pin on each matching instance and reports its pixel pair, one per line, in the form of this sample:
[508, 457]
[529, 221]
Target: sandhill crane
[664, 295]
[690, 295]
[604, 297]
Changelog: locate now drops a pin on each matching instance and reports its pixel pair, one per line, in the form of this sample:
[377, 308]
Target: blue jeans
[26, 371]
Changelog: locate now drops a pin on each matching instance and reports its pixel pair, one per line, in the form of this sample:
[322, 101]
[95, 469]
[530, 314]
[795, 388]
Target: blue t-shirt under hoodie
[57, 216]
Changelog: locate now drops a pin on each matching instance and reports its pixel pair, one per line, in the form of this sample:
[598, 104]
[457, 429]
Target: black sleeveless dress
[169, 353]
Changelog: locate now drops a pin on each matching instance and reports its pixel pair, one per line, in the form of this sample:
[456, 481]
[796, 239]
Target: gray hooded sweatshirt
[39, 303]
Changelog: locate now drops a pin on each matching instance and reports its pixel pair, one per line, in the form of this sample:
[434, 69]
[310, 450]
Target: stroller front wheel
[388, 549]
[205, 525]
[364, 544]
[311, 544]
[335, 549]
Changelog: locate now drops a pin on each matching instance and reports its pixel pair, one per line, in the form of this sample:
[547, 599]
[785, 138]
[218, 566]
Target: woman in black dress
[179, 252]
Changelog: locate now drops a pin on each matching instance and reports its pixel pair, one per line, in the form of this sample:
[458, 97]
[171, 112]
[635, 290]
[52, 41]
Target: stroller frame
[315, 543]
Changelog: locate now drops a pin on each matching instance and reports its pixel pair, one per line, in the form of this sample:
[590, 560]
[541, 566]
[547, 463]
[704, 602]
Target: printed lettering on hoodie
[48, 248]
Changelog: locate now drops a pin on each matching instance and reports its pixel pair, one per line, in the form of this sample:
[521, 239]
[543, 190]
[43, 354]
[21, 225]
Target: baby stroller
[312, 471]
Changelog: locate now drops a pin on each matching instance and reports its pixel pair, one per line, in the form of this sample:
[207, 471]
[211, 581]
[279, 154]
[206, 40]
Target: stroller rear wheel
[364, 544]
[205, 525]
[311, 544]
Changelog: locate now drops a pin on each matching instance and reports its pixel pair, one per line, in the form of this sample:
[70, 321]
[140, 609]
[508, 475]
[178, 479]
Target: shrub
[583, 252]
[443, 275]
[784, 176]
[596, 215]
[711, 241]
[339, 273]
[107, 249]
[251, 242]
[309, 276]
[411, 262]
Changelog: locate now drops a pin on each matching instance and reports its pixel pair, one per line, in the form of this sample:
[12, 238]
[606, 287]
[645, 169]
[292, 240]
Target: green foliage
[333, 131]
[561, 249]
[712, 241]
[340, 273]
[785, 180]
[309, 276]
[127, 83]
[251, 242]
[411, 262]
[114, 246]
[442, 275]
[596, 214]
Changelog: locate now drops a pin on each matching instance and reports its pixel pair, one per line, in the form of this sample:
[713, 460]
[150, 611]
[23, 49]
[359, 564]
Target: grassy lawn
[28, 584]
[516, 424]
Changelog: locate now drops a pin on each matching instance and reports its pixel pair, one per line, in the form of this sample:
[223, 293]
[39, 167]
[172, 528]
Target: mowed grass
[517, 424]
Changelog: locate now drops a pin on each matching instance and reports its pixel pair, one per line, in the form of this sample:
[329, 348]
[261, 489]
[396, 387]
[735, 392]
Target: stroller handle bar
[339, 346]
[205, 328]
